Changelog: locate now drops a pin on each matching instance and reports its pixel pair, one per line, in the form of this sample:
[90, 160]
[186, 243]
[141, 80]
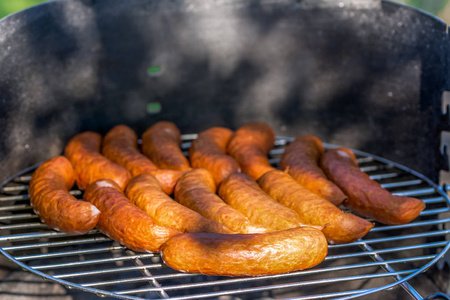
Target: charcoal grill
[386, 258]
[364, 74]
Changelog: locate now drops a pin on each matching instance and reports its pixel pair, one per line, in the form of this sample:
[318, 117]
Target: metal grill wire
[387, 257]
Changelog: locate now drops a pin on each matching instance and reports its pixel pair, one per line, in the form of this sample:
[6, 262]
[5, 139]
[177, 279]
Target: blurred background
[440, 8]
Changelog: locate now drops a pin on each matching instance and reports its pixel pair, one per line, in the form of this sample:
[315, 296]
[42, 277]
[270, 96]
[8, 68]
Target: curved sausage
[366, 196]
[242, 192]
[124, 222]
[250, 146]
[339, 228]
[301, 159]
[83, 151]
[246, 254]
[196, 189]
[51, 200]
[208, 152]
[146, 193]
[161, 143]
[120, 145]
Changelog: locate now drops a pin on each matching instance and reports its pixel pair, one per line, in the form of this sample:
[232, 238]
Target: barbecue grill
[365, 74]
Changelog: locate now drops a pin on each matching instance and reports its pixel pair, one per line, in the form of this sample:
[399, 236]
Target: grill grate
[385, 258]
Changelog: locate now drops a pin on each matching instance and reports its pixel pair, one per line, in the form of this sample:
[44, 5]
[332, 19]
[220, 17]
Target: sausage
[246, 254]
[366, 196]
[250, 146]
[208, 151]
[242, 192]
[51, 200]
[124, 222]
[301, 159]
[83, 151]
[339, 228]
[196, 189]
[161, 143]
[145, 192]
[120, 145]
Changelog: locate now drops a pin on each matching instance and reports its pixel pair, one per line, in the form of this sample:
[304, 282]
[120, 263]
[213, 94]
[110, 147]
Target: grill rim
[280, 141]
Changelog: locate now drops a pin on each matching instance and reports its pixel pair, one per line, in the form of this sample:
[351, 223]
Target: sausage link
[366, 196]
[208, 151]
[83, 151]
[145, 192]
[242, 192]
[51, 200]
[339, 228]
[161, 143]
[120, 145]
[124, 222]
[196, 189]
[301, 159]
[250, 146]
[246, 254]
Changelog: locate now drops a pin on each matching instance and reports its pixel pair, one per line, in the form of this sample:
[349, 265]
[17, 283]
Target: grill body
[366, 74]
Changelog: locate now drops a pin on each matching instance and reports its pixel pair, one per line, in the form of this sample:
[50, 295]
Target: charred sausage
[366, 196]
[246, 254]
[83, 151]
[301, 159]
[124, 222]
[51, 200]
[145, 192]
[339, 228]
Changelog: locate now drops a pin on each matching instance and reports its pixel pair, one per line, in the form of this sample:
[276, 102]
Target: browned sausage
[246, 254]
[146, 193]
[196, 189]
[339, 228]
[208, 152]
[51, 200]
[124, 222]
[83, 151]
[366, 196]
[161, 143]
[250, 146]
[120, 145]
[301, 159]
[242, 192]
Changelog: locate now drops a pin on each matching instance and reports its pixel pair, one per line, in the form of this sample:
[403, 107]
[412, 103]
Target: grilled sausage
[208, 152]
[250, 146]
[242, 192]
[161, 143]
[145, 192]
[120, 145]
[196, 189]
[246, 254]
[124, 222]
[339, 228]
[301, 159]
[83, 151]
[51, 200]
[366, 196]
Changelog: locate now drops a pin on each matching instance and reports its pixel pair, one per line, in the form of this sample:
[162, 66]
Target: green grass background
[440, 8]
